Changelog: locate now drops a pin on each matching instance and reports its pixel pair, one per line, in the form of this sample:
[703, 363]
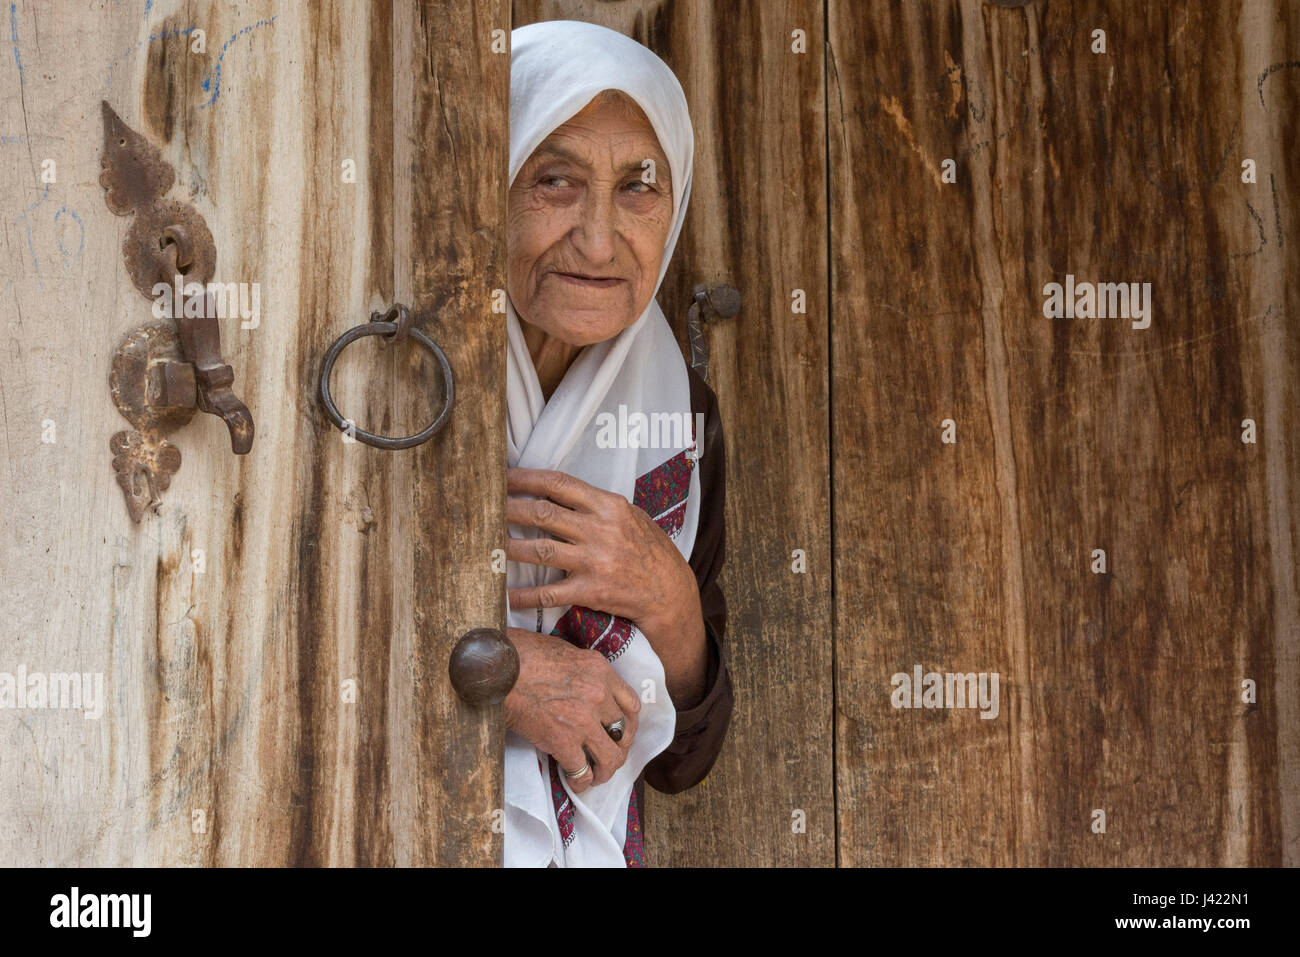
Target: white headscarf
[557, 68]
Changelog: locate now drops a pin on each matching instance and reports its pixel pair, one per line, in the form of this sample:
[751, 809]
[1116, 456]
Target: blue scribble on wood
[212, 83]
[13, 35]
[82, 226]
[25, 219]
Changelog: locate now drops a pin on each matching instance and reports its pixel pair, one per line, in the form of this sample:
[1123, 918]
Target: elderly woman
[613, 552]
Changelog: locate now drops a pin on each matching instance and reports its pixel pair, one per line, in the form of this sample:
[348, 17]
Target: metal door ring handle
[384, 441]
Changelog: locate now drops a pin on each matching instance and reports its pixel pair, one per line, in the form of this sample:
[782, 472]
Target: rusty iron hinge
[161, 374]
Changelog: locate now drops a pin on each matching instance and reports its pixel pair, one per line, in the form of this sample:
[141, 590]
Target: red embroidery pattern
[594, 629]
[634, 845]
[662, 494]
[563, 806]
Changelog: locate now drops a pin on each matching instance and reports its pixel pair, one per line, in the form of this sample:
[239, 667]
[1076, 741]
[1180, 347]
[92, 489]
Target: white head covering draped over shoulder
[557, 68]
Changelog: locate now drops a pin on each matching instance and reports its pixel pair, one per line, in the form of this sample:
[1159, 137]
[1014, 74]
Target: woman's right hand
[564, 699]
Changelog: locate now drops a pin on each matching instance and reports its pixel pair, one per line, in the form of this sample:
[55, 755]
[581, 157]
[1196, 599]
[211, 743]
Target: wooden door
[274, 639]
[1106, 532]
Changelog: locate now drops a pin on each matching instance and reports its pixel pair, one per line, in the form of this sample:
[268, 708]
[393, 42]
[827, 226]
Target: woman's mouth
[591, 282]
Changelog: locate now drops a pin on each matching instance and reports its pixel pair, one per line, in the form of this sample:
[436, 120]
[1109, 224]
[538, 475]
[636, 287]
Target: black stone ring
[389, 329]
[616, 729]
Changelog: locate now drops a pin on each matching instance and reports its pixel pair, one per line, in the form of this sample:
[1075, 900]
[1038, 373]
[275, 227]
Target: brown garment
[701, 726]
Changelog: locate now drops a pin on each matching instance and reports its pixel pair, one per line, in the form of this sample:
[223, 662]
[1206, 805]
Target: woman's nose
[595, 232]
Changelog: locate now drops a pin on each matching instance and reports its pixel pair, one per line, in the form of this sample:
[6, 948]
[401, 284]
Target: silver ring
[581, 772]
[616, 729]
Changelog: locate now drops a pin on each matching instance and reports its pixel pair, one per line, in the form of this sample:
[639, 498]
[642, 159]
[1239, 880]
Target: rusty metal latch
[383, 324]
[722, 301]
[163, 373]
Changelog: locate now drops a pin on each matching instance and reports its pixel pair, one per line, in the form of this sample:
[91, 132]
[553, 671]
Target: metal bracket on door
[722, 301]
[162, 374]
[383, 324]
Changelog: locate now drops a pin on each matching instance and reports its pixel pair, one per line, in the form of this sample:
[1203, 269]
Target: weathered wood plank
[451, 248]
[225, 684]
[757, 220]
[1119, 691]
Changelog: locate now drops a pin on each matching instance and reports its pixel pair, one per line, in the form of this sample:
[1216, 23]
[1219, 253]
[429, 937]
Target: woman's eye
[638, 182]
[554, 181]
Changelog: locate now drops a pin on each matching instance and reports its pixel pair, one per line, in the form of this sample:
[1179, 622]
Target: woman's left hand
[618, 560]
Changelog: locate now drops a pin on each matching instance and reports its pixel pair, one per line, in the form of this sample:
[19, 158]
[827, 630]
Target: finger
[571, 761]
[607, 756]
[546, 515]
[555, 595]
[624, 696]
[543, 551]
[568, 490]
[629, 702]
[629, 732]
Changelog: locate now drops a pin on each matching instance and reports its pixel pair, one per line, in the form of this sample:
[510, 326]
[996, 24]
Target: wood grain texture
[451, 248]
[757, 220]
[323, 561]
[1119, 691]
[224, 684]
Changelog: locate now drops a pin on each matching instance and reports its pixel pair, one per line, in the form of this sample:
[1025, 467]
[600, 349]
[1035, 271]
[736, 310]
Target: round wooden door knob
[483, 667]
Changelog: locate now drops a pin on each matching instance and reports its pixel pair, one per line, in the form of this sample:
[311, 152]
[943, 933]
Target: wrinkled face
[586, 230]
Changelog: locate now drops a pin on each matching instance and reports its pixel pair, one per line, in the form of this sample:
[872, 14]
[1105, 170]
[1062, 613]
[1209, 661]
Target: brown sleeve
[702, 727]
